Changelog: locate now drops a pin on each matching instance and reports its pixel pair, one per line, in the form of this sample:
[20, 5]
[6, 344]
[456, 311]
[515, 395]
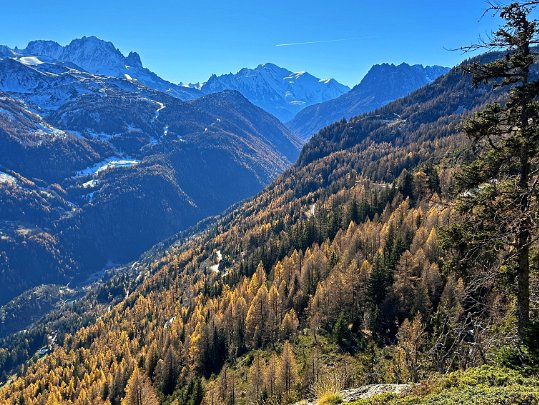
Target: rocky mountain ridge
[381, 85]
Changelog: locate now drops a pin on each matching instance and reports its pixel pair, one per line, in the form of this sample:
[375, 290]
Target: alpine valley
[270, 237]
[101, 158]
[97, 165]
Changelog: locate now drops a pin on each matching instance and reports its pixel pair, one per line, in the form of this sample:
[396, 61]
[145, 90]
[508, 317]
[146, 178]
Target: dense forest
[392, 252]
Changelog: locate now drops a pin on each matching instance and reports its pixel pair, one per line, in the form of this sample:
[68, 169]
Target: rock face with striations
[382, 84]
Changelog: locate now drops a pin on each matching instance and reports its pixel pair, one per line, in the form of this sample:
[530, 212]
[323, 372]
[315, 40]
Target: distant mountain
[68, 70]
[277, 90]
[94, 55]
[94, 169]
[382, 84]
[48, 86]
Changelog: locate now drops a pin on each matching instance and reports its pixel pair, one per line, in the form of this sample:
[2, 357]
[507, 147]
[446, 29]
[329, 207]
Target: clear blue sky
[188, 40]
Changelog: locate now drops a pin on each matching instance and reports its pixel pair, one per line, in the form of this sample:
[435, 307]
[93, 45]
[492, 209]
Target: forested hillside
[103, 178]
[343, 272]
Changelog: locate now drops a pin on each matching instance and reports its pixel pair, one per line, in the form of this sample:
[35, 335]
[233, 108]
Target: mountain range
[381, 85]
[277, 90]
[320, 273]
[100, 158]
[300, 99]
[95, 168]
[94, 55]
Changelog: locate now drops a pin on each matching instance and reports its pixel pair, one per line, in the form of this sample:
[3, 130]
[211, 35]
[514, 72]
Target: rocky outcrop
[364, 392]
[368, 391]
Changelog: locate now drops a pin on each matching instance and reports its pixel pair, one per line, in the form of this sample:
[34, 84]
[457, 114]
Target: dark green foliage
[342, 334]
[406, 186]
[191, 394]
[497, 194]
[166, 373]
[378, 282]
[382, 315]
[531, 340]
[524, 358]
[434, 178]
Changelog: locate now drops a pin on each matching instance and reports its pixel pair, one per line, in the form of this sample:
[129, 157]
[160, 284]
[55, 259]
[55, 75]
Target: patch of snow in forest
[311, 211]
[90, 183]
[161, 106]
[6, 178]
[110, 163]
[169, 322]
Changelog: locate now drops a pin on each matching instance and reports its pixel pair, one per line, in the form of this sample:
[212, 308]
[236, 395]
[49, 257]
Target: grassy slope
[481, 385]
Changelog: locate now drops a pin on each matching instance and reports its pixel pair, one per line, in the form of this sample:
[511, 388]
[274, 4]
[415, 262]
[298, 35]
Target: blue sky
[186, 40]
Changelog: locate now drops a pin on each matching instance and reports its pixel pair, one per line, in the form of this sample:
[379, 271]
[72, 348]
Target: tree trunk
[523, 277]
[523, 237]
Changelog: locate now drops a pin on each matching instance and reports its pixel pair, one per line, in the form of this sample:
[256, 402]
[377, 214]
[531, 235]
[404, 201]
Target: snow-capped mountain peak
[277, 90]
[96, 56]
[90, 53]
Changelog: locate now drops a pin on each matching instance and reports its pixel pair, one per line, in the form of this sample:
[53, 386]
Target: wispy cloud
[323, 41]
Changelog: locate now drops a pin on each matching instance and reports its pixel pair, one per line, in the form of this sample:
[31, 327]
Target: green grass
[482, 385]
[329, 399]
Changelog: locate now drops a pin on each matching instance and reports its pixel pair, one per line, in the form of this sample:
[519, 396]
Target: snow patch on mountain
[110, 163]
[159, 108]
[7, 179]
[219, 257]
[30, 60]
